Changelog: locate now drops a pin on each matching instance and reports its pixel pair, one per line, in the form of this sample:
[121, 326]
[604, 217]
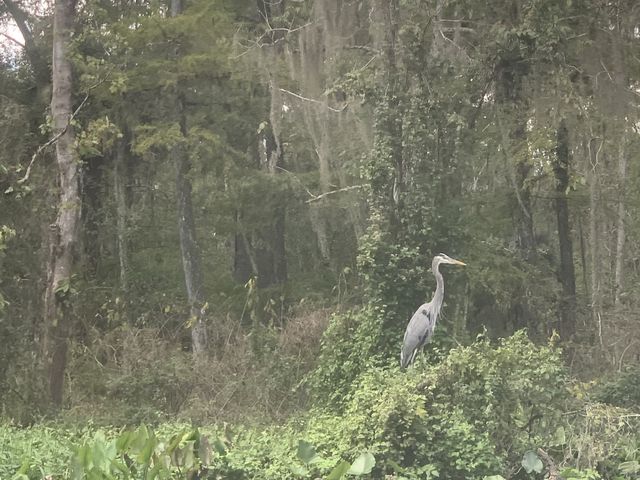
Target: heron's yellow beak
[458, 262]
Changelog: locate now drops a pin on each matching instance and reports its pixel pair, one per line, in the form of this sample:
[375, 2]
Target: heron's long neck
[438, 297]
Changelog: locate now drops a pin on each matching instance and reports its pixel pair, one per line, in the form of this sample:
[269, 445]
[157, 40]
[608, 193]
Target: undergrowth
[484, 411]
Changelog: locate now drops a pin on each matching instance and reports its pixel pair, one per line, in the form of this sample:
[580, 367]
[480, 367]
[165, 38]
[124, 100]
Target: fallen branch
[554, 473]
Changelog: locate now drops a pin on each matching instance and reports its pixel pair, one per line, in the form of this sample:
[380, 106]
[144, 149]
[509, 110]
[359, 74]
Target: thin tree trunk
[594, 239]
[92, 214]
[191, 261]
[243, 264]
[622, 177]
[119, 180]
[567, 271]
[64, 232]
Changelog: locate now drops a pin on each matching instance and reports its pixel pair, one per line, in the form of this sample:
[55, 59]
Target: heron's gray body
[423, 322]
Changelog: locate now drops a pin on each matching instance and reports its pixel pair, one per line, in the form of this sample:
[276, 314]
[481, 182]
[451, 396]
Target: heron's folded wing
[417, 332]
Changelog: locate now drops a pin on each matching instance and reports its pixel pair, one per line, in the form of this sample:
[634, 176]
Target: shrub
[474, 414]
[348, 348]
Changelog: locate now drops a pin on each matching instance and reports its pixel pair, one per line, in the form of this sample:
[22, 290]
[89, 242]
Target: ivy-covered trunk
[64, 232]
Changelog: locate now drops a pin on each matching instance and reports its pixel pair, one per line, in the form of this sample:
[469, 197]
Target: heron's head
[442, 258]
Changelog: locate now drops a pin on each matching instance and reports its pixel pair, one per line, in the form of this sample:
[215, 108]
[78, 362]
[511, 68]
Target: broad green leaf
[124, 440]
[531, 462]
[493, 477]
[173, 443]
[339, 471]
[145, 453]
[362, 465]
[306, 452]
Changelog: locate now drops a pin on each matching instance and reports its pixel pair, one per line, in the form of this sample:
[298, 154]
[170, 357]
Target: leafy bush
[474, 414]
[348, 348]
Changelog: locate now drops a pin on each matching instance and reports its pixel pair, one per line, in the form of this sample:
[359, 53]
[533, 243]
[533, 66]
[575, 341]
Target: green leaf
[531, 462]
[493, 477]
[306, 452]
[362, 465]
[124, 440]
[339, 471]
[145, 454]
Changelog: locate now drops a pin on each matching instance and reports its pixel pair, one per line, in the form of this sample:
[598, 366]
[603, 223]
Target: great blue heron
[423, 322]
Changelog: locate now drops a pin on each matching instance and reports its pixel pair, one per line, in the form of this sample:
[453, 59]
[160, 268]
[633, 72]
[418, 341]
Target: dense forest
[218, 216]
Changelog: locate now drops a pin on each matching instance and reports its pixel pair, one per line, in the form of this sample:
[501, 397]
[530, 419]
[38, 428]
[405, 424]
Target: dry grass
[144, 372]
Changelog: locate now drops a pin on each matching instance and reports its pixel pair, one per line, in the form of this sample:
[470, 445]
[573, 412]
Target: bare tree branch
[315, 198]
[51, 141]
[313, 100]
[339, 190]
[14, 40]
[62, 132]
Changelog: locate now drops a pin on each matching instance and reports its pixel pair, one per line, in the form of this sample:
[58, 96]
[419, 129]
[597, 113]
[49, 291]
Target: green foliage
[622, 390]
[474, 414]
[349, 347]
[575, 474]
[141, 454]
[38, 451]
[482, 411]
[306, 453]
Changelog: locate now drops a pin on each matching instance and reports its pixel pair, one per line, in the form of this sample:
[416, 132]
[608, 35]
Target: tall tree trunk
[119, 180]
[271, 256]
[620, 240]
[567, 271]
[511, 72]
[594, 148]
[64, 232]
[191, 261]
[262, 251]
